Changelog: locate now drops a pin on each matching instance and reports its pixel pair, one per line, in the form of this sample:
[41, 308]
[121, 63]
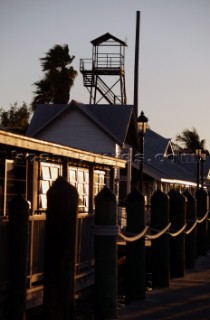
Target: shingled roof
[114, 120]
[105, 37]
[159, 164]
[43, 115]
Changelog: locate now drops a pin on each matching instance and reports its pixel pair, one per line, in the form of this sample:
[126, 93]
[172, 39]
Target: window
[14, 182]
[49, 173]
[79, 178]
[99, 181]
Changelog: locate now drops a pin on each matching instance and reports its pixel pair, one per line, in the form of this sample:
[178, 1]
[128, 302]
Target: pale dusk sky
[174, 63]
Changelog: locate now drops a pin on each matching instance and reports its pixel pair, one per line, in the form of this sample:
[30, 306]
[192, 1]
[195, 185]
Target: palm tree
[190, 141]
[43, 92]
[58, 78]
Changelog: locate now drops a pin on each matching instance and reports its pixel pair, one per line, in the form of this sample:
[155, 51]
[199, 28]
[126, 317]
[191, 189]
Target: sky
[174, 60]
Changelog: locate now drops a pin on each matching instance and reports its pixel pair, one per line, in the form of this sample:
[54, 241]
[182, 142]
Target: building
[104, 129]
[112, 130]
[163, 169]
[29, 167]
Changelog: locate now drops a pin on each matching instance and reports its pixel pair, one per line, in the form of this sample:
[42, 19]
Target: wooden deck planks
[186, 298]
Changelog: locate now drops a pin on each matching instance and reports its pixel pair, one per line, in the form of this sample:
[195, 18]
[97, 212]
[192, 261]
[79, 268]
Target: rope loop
[113, 230]
[177, 233]
[159, 233]
[135, 237]
[192, 227]
[203, 218]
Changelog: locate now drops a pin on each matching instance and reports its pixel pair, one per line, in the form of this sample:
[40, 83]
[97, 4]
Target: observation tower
[104, 74]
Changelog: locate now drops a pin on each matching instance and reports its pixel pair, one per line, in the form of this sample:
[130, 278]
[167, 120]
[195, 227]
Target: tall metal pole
[141, 163]
[202, 177]
[198, 172]
[136, 66]
[129, 170]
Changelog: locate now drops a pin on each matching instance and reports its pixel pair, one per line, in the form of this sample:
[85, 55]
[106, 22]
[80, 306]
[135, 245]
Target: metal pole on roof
[129, 170]
[136, 66]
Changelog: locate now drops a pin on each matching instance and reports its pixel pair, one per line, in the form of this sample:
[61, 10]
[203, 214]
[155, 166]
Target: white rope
[159, 233]
[192, 228]
[135, 237]
[174, 234]
[203, 218]
[113, 230]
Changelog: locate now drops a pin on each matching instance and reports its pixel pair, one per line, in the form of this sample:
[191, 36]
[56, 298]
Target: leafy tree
[58, 77]
[190, 141]
[16, 119]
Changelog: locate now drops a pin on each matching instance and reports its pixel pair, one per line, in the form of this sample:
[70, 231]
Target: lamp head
[142, 123]
[198, 152]
[203, 155]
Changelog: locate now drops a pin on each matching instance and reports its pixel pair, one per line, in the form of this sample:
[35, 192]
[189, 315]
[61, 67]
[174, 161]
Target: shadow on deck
[186, 298]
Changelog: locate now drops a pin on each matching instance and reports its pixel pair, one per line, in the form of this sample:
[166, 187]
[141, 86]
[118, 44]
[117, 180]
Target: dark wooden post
[191, 238]
[60, 251]
[160, 246]
[18, 250]
[91, 188]
[202, 230]
[177, 217]
[112, 179]
[208, 222]
[65, 169]
[105, 255]
[135, 251]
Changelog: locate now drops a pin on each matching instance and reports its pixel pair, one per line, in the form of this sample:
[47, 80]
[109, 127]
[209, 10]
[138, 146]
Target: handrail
[106, 90]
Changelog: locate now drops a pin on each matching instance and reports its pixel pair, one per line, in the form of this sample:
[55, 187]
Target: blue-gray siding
[75, 130]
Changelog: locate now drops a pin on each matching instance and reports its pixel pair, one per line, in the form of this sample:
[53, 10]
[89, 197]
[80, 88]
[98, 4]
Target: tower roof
[105, 37]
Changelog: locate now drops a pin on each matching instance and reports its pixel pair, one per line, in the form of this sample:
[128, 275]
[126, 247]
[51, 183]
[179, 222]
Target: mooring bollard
[202, 244]
[135, 251]
[177, 217]
[208, 219]
[160, 246]
[191, 238]
[60, 251]
[18, 250]
[105, 231]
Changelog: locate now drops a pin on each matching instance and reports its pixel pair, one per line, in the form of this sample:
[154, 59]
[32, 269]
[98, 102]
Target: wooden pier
[187, 297]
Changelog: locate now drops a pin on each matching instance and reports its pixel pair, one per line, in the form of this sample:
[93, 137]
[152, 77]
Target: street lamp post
[198, 154]
[203, 159]
[142, 125]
